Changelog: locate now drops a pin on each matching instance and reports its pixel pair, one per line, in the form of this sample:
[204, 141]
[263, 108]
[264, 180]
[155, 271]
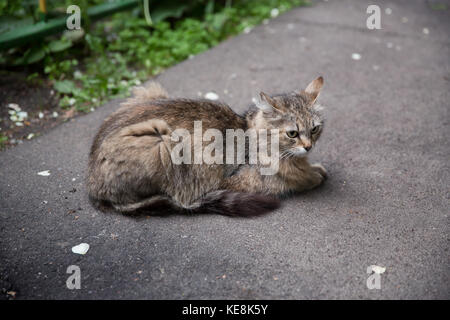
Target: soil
[34, 97]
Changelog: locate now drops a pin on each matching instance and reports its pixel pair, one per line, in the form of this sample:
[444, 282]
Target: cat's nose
[307, 148]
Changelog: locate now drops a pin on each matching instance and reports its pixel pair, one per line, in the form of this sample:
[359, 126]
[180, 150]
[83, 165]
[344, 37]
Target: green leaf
[35, 54]
[59, 45]
[65, 86]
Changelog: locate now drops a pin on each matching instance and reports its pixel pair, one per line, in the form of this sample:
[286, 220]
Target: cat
[131, 169]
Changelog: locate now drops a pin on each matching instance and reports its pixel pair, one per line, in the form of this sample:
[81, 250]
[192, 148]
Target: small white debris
[389, 45]
[77, 74]
[404, 19]
[74, 179]
[72, 101]
[30, 136]
[247, 29]
[378, 269]
[82, 248]
[211, 96]
[356, 56]
[55, 114]
[14, 106]
[225, 91]
[45, 202]
[22, 115]
[19, 124]
[44, 173]
[41, 115]
[375, 67]
[52, 92]
[254, 100]
[274, 12]
[388, 11]
[426, 31]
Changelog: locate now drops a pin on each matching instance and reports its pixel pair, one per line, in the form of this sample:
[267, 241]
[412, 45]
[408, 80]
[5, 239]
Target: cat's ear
[266, 103]
[313, 89]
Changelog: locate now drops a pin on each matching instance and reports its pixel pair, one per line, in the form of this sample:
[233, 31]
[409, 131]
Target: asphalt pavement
[386, 202]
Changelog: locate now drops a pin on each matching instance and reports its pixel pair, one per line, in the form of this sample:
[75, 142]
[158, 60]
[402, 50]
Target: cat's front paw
[317, 167]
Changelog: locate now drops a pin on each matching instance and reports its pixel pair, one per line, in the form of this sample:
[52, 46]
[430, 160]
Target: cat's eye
[292, 134]
[315, 129]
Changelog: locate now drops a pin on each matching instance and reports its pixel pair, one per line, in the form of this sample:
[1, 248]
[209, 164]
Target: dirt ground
[36, 98]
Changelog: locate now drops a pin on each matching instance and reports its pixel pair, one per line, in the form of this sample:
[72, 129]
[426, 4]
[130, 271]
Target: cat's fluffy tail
[230, 203]
[151, 91]
[223, 202]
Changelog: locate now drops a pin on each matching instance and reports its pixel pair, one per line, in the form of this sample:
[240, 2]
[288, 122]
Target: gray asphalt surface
[385, 145]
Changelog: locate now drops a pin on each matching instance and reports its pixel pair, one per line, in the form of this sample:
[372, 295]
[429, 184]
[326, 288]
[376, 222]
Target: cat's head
[296, 115]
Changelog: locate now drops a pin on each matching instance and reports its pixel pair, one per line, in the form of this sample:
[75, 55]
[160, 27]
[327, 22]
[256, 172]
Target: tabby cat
[131, 169]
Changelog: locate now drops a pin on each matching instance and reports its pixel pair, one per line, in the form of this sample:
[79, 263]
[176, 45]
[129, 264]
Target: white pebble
[356, 56]
[378, 269]
[82, 248]
[426, 31]
[14, 106]
[44, 173]
[211, 96]
[274, 12]
[248, 29]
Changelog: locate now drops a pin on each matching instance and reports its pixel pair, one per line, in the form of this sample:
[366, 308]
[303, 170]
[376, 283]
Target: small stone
[82, 248]
[356, 56]
[378, 269]
[44, 173]
[426, 31]
[274, 12]
[14, 106]
[211, 96]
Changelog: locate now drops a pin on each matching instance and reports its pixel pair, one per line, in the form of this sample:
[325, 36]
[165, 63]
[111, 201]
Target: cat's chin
[300, 152]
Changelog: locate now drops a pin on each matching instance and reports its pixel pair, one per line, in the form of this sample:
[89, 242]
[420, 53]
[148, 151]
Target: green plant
[3, 140]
